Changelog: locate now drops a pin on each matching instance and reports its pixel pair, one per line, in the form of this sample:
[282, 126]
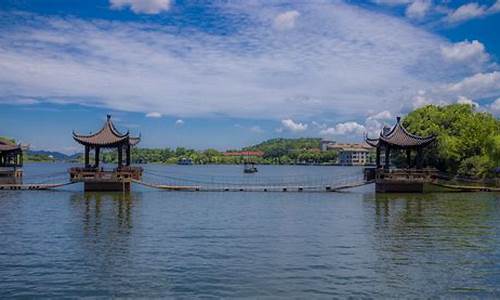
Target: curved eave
[10, 148]
[412, 143]
[372, 142]
[134, 140]
[87, 142]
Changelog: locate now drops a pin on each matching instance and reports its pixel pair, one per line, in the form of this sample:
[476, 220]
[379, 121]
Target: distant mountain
[286, 145]
[53, 154]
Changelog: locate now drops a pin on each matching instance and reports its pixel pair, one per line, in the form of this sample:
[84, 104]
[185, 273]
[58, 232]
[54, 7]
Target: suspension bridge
[212, 183]
[196, 182]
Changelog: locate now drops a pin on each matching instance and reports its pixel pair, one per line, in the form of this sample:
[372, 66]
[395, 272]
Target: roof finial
[398, 119]
[109, 116]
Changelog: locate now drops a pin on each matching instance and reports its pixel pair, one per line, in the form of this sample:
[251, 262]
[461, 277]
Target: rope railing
[265, 183]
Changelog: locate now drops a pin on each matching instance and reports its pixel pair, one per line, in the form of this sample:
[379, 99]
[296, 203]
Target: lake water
[154, 243]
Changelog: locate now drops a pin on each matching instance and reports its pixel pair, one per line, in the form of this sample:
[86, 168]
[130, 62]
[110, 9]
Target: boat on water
[250, 168]
[185, 161]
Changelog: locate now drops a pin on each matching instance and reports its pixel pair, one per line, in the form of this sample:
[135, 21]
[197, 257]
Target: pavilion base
[99, 180]
[403, 180]
[399, 187]
[107, 186]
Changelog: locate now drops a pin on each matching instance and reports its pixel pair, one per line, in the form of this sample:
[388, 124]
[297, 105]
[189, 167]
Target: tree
[467, 140]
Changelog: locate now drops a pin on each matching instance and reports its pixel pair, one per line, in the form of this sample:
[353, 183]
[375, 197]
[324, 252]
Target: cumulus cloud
[383, 115]
[153, 115]
[466, 12]
[465, 100]
[344, 129]
[142, 6]
[392, 2]
[495, 107]
[495, 7]
[292, 126]
[314, 71]
[465, 52]
[478, 86]
[256, 129]
[286, 20]
[418, 9]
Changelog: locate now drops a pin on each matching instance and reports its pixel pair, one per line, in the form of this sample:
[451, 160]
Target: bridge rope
[259, 183]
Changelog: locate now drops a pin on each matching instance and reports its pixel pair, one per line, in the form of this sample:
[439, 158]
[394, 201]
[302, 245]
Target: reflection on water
[99, 209]
[223, 245]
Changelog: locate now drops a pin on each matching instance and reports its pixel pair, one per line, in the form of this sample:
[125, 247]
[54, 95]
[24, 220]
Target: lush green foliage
[468, 141]
[276, 151]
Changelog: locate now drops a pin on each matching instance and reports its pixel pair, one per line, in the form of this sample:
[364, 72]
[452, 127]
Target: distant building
[324, 144]
[245, 153]
[356, 154]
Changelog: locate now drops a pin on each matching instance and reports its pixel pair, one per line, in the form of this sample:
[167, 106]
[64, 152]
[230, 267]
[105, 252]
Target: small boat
[185, 161]
[250, 168]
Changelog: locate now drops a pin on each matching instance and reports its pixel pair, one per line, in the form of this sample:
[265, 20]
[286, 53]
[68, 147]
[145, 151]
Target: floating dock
[118, 179]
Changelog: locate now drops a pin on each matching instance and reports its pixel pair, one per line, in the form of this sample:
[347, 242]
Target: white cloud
[286, 20]
[392, 2]
[465, 100]
[383, 115]
[495, 107]
[344, 128]
[340, 61]
[466, 12]
[153, 115]
[293, 126]
[478, 86]
[495, 7]
[468, 52]
[256, 129]
[142, 6]
[418, 9]
[179, 123]
[22, 101]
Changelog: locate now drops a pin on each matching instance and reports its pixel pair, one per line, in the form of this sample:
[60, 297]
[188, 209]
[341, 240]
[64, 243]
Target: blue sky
[225, 74]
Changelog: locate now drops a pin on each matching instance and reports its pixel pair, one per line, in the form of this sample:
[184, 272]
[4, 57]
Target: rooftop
[107, 136]
[400, 137]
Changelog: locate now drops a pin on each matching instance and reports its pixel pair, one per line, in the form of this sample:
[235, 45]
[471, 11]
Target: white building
[350, 154]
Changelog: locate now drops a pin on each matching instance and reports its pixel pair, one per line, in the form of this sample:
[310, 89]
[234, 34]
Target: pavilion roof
[400, 137]
[107, 136]
[6, 145]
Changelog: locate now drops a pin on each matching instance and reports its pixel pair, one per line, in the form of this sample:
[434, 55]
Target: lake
[153, 243]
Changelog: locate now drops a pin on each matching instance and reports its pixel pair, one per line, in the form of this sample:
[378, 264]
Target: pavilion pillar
[128, 155]
[21, 158]
[378, 157]
[120, 155]
[97, 150]
[419, 158]
[87, 156]
[387, 157]
[408, 157]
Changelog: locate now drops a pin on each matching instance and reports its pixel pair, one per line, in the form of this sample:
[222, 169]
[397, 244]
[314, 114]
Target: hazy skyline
[228, 74]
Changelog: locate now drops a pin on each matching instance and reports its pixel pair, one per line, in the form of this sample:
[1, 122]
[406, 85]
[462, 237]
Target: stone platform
[403, 180]
[96, 180]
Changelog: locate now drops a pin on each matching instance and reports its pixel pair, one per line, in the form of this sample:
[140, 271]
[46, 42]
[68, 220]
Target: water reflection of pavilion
[104, 211]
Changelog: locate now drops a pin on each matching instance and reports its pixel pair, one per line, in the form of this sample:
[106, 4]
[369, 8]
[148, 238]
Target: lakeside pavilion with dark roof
[107, 137]
[11, 159]
[98, 179]
[398, 138]
[412, 179]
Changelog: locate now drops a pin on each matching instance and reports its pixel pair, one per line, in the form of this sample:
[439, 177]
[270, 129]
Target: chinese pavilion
[98, 179]
[11, 159]
[400, 180]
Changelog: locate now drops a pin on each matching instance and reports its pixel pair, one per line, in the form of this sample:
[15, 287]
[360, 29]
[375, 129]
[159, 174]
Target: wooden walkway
[253, 188]
[466, 188]
[33, 186]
